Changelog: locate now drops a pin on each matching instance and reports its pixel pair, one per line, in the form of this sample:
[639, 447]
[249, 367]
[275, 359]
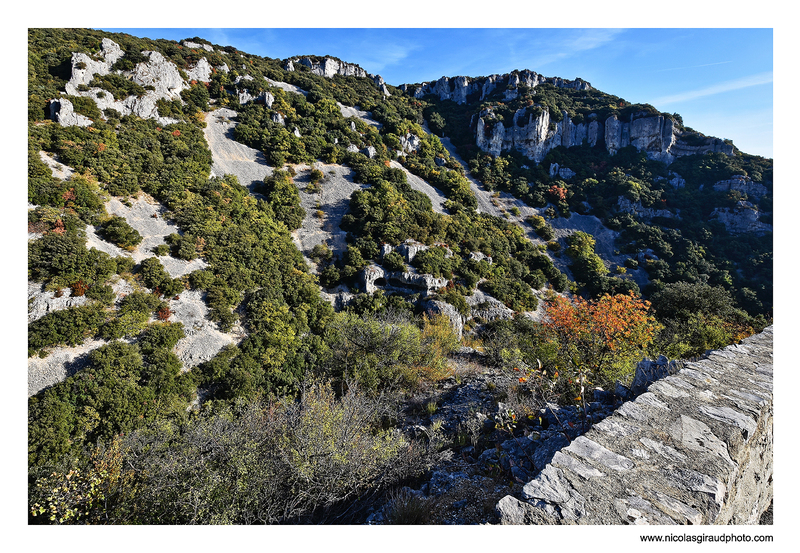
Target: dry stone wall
[695, 448]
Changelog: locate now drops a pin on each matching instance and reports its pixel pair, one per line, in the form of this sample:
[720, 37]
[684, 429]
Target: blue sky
[719, 79]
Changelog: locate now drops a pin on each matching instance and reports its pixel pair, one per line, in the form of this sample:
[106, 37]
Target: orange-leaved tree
[603, 338]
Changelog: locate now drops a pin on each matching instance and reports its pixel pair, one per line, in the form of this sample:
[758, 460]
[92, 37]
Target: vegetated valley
[270, 291]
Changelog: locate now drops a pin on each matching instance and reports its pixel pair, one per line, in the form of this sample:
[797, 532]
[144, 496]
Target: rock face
[465, 89]
[533, 133]
[160, 76]
[328, 67]
[695, 448]
[740, 219]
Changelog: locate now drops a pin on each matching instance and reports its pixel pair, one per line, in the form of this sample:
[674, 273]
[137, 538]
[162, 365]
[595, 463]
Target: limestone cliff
[160, 77]
[328, 67]
[534, 133]
[464, 90]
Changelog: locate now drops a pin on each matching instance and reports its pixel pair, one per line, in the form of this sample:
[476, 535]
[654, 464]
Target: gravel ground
[416, 183]
[230, 157]
[365, 116]
[203, 340]
[324, 209]
[41, 302]
[59, 170]
[286, 86]
[146, 215]
[61, 363]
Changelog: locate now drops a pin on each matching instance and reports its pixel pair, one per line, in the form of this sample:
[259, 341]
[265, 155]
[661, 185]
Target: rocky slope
[533, 132]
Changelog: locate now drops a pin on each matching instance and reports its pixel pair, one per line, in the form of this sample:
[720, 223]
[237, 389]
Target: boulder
[410, 143]
[63, 112]
[437, 307]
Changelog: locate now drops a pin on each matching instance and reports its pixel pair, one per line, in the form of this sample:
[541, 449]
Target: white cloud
[727, 86]
[692, 66]
[575, 43]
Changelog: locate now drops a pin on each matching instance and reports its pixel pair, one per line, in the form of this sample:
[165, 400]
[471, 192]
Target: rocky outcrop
[533, 132]
[410, 143]
[635, 208]
[742, 184]
[63, 112]
[485, 307]
[200, 72]
[375, 277]
[189, 44]
[744, 217]
[464, 90]
[562, 172]
[159, 76]
[695, 448]
[437, 307]
[410, 248]
[328, 67]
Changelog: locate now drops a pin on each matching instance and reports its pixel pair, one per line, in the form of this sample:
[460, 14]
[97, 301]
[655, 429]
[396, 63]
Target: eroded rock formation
[160, 77]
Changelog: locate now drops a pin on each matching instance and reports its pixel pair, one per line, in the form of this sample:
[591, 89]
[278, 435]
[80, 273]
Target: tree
[282, 195]
[603, 337]
[698, 317]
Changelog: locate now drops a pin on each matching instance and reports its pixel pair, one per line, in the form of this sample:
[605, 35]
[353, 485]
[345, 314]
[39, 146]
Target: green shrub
[393, 261]
[68, 327]
[304, 461]
[125, 324]
[201, 279]
[155, 277]
[321, 252]
[160, 336]
[283, 198]
[103, 294]
[118, 231]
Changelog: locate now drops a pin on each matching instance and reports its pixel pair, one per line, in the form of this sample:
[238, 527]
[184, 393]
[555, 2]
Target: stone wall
[696, 448]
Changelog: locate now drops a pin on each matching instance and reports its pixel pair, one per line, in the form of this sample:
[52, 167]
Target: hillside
[292, 275]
